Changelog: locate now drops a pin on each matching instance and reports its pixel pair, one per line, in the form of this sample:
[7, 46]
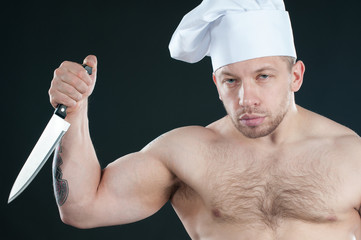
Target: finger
[67, 89]
[61, 98]
[92, 61]
[75, 82]
[77, 70]
[63, 73]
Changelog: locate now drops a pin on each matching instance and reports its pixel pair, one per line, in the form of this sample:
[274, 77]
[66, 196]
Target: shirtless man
[268, 170]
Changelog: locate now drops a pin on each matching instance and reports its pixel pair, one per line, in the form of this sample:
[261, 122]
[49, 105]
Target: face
[258, 93]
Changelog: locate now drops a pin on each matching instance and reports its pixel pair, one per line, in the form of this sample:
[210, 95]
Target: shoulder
[182, 151]
[180, 142]
[187, 145]
[192, 135]
[316, 125]
[341, 140]
[183, 136]
[335, 137]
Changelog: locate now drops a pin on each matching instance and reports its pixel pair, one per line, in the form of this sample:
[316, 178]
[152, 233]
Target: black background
[141, 92]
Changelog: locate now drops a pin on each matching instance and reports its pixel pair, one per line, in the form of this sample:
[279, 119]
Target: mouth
[250, 120]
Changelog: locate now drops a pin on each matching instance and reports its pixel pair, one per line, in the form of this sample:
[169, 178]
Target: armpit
[358, 211]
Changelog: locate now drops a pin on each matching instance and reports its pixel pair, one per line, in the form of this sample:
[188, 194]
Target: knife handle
[61, 109]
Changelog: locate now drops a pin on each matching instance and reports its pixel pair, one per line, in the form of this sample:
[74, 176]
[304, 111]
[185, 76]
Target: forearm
[76, 170]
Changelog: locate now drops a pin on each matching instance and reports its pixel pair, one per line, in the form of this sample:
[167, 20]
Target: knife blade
[49, 139]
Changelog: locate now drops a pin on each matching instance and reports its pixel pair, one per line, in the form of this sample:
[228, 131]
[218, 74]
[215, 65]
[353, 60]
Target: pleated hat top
[230, 31]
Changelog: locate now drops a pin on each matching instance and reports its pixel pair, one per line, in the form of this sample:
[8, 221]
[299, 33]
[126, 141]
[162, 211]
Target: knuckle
[68, 90]
[74, 94]
[82, 74]
[54, 100]
[52, 88]
[50, 92]
[57, 72]
[82, 88]
[71, 81]
[53, 85]
[76, 97]
[64, 64]
[76, 83]
[50, 97]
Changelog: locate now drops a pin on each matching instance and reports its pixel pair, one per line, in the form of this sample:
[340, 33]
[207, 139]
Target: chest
[251, 187]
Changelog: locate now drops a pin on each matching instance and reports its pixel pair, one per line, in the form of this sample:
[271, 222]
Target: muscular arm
[131, 188]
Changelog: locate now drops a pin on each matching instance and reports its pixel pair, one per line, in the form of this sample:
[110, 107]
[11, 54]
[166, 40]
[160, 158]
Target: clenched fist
[72, 85]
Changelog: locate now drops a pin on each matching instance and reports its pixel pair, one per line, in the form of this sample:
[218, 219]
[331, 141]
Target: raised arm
[129, 189]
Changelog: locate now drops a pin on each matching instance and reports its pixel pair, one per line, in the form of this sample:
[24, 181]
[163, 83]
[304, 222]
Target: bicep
[132, 188]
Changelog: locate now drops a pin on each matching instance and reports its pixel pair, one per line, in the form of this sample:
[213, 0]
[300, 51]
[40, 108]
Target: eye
[263, 76]
[230, 81]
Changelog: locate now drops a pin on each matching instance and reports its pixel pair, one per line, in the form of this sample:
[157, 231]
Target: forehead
[275, 63]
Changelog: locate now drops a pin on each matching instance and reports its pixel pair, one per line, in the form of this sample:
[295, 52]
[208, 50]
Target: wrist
[79, 111]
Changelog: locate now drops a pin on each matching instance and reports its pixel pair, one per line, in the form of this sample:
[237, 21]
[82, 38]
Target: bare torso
[295, 176]
[303, 189]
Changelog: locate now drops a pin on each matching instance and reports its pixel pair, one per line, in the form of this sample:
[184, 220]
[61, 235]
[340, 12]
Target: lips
[252, 120]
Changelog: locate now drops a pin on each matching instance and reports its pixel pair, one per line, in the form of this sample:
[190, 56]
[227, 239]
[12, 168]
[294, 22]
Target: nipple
[216, 213]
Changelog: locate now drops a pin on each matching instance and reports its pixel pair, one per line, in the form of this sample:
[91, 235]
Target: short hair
[289, 60]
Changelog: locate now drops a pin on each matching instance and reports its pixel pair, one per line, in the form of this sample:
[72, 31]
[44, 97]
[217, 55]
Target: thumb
[92, 62]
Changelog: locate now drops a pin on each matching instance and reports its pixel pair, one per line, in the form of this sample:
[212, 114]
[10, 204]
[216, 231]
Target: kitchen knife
[45, 146]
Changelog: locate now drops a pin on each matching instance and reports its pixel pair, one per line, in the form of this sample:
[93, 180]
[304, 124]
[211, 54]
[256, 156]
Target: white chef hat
[230, 31]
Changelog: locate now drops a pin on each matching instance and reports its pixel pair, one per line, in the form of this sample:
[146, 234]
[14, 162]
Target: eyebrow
[225, 72]
[269, 68]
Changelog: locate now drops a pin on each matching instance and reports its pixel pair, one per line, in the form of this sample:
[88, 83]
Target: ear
[215, 83]
[298, 70]
[214, 79]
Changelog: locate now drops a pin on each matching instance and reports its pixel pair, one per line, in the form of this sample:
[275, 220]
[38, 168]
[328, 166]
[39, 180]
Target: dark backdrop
[141, 92]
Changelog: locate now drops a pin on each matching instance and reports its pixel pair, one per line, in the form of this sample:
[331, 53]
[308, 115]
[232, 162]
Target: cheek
[274, 97]
[230, 103]
[225, 94]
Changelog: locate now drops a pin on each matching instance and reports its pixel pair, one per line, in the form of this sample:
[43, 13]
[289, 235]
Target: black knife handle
[61, 109]
[88, 69]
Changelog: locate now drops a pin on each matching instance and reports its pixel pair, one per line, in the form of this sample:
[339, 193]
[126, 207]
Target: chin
[259, 131]
[256, 134]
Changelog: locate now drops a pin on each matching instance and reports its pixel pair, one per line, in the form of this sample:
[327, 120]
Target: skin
[270, 169]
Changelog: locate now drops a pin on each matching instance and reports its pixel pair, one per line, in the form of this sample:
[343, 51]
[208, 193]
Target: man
[270, 169]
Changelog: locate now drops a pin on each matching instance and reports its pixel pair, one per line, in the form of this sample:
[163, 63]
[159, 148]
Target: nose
[248, 95]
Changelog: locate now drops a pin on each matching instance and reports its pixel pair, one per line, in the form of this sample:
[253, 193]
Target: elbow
[77, 220]
[74, 222]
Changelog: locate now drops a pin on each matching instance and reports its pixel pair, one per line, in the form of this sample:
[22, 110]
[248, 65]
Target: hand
[72, 85]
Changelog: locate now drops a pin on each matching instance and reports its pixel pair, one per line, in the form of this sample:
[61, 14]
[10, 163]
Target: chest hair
[248, 187]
